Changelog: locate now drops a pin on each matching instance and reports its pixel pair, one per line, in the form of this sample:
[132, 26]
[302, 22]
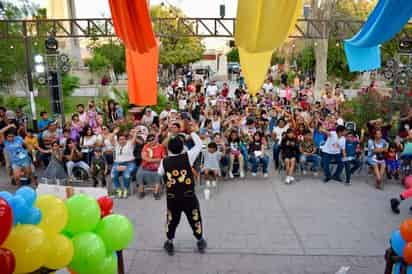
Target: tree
[322, 10]
[12, 53]
[233, 55]
[306, 59]
[107, 55]
[176, 50]
[337, 63]
[98, 64]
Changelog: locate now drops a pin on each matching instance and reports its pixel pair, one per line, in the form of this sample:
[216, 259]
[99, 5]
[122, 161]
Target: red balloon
[106, 205]
[408, 182]
[6, 220]
[7, 261]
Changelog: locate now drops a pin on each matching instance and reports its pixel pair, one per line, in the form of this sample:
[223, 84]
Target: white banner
[63, 192]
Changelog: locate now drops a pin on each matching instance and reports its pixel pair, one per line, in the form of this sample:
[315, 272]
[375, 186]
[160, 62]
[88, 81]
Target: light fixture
[337, 44]
[39, 68]
[38, 59]
[11, 46]
[315, 44]
[51, 44]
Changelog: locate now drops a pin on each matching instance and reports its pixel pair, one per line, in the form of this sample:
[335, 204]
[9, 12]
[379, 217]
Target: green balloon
[116, 232]
[108, 266]
[89, 252]
[84, 214]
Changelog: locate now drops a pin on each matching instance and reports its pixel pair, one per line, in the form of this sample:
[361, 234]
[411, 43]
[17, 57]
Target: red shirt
[190, 88]
[225, 92]
[156, 152]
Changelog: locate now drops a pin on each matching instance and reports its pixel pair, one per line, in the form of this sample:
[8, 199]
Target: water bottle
[343, 270]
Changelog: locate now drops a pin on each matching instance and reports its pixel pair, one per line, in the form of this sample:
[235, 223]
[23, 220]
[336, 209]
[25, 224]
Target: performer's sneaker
[169, 248]
[395, 205]
[201, 245]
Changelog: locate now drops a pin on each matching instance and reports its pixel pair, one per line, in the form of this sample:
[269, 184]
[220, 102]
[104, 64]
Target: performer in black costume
[177, 172]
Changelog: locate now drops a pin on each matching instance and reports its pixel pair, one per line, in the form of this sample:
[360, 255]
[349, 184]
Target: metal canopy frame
[186, 27]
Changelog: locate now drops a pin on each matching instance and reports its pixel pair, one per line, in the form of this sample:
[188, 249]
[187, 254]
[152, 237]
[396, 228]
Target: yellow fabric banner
[261, 27]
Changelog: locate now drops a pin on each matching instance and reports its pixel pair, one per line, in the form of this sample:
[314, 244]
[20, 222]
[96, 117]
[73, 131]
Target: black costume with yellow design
[181, 196]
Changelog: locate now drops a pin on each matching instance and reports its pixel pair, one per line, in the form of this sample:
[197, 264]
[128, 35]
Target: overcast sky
[192, 8]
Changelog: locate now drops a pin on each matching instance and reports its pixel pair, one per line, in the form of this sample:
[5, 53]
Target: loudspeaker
[232, 44]
[222, 11]
[55, 93]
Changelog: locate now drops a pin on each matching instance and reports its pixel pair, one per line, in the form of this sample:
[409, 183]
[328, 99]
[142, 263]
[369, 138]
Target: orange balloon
[406, 230]
[407, 253]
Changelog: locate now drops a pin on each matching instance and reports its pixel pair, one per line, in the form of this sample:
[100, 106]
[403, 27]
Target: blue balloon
[20, 209]
[28, 194]
[6, 195]
[33, 218]
[397, 243]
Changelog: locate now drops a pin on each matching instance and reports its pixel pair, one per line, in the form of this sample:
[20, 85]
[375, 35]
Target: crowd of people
[283, 127]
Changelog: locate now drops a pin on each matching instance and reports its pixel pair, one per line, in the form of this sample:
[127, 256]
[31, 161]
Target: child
[32, 144]
[392, 162]
[308, 152]
[99, 168]
[55, 169]
[351, 161]
[211, 166]
[289, 148]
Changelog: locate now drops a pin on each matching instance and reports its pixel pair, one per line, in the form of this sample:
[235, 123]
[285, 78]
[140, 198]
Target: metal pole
[28, 57]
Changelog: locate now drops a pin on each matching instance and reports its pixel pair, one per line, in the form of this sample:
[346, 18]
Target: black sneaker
[169, 248]
[201, 246]
[395, 205]
[141, 195]
[156, 196]
[339, 180]
[326, 180]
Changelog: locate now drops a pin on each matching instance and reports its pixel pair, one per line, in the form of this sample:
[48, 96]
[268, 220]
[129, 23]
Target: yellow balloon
[27, 243]
[54, 214]
[59, 251]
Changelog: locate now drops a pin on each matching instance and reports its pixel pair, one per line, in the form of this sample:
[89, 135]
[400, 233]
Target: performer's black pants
[190, 206]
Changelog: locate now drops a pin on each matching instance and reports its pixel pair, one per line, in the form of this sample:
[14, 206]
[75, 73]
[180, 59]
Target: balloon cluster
[22, 204]
[80, 234]
[401, 243]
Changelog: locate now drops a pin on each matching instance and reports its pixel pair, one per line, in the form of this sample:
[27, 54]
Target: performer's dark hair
[175, 145]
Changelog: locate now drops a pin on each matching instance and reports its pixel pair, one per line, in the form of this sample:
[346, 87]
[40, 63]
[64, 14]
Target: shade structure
[133, 25]
[386, 20]
[261, 27]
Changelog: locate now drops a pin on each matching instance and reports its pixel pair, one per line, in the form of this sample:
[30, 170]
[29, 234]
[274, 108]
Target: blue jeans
[127, 174]
[244, 152]
[327, 160]
[351, 167]
[256, 161]
[276, 152]
[314, 159]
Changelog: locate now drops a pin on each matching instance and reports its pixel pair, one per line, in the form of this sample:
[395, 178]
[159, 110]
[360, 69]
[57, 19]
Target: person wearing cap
[180, 189]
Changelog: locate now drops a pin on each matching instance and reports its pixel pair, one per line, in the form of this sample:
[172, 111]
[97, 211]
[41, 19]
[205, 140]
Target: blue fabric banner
[386, 20]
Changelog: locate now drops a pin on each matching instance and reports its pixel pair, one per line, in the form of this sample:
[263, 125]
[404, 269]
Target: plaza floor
[261, 225]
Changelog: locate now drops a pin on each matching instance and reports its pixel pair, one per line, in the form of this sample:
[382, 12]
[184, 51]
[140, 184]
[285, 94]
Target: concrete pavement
[261, 225]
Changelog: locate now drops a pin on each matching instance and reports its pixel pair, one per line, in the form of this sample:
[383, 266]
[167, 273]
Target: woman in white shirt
[87, 142]
[124, 160]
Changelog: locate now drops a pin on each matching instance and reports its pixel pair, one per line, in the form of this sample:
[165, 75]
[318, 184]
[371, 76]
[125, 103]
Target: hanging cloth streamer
[261, 27]
[386, 20]
[133, 26]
